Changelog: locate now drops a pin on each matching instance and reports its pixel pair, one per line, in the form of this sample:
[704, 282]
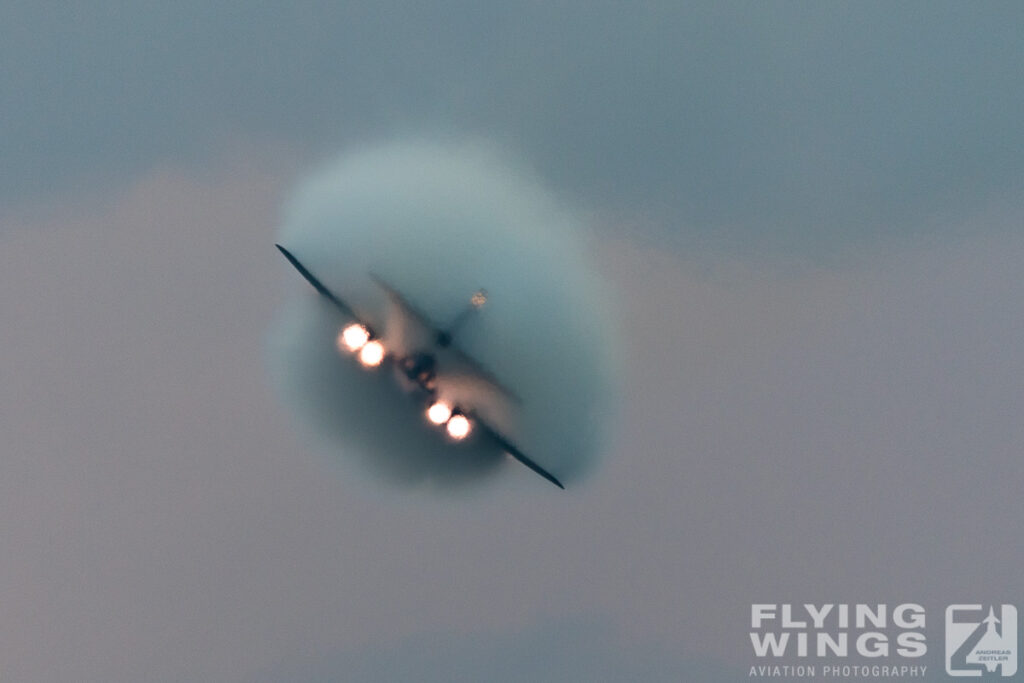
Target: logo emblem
[981, 640]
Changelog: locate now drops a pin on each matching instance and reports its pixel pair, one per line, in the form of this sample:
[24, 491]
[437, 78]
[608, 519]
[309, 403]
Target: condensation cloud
[439, 222]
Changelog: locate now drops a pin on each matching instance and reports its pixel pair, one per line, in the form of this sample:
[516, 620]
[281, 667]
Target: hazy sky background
[812, 218]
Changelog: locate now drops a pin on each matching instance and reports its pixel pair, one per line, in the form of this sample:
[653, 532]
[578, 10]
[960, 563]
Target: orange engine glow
[371, 354]
[459, 427]
[353, 338]
[439, 412]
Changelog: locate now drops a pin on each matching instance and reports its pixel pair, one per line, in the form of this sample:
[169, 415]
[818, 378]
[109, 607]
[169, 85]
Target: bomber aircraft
[414, 352]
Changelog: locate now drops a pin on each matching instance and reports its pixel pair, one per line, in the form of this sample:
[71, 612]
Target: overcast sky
[812, 219]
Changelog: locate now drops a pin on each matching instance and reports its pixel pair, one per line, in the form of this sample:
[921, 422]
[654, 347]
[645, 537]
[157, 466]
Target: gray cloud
[561, 650]
[788, 434]
[438, 223]
[792, 126]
